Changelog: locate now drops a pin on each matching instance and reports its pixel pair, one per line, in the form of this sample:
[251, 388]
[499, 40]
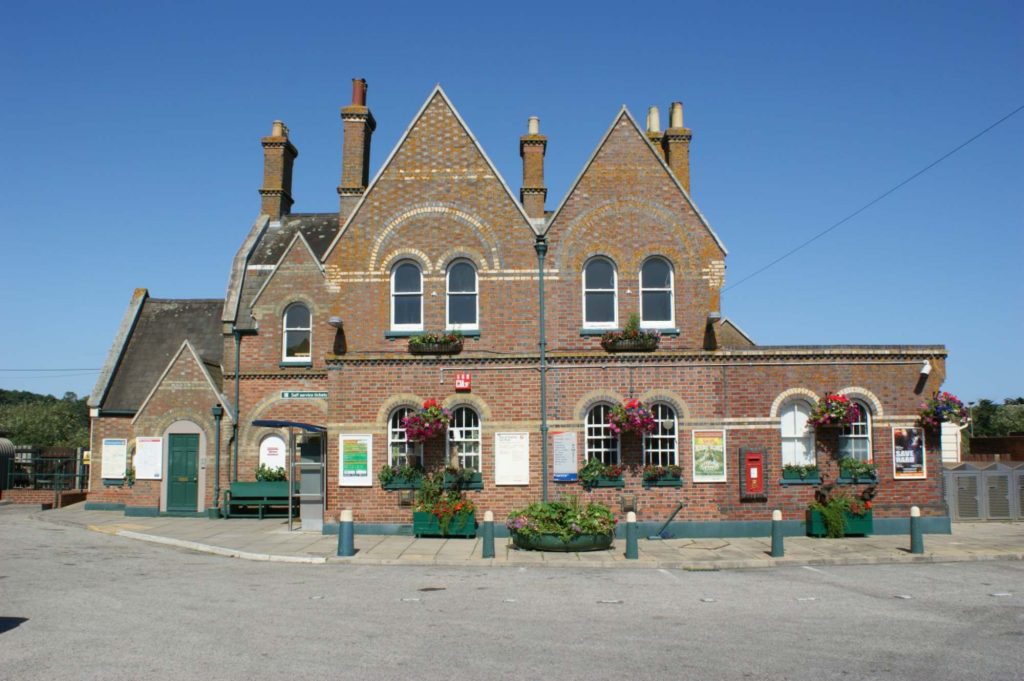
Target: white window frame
[597, 436]
[614, 291]
[811, 456]
[398, 439]
[285, 358]
[859, 432]
[461, 436]
[671, 290]
[475, 326]
[663, 443]
[394, 295]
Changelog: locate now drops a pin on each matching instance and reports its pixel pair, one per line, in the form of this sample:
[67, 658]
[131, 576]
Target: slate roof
[163, 325]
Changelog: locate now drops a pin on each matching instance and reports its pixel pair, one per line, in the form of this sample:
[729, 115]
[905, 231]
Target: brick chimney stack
[355, 153]
[278, 157]
[677, 145]
[532, 147]
[654, 133]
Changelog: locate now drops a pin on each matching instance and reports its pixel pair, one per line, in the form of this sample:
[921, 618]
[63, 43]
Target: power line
[36, 371]
[875, 200]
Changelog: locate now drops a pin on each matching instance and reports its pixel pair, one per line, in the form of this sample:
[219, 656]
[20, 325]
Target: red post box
[752, 485]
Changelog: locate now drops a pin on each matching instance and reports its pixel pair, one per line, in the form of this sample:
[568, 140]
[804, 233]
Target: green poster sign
[355, 461]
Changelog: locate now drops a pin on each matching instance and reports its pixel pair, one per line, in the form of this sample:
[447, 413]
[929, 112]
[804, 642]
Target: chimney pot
[676, 115]
[278, 129]
[653, 120]
[359, 92]
[533, 126]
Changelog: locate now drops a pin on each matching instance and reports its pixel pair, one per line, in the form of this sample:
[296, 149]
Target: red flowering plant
[834, 410]
[640, 339]
[942, 408]
[652, 473]
[445, 505]
[631, 417]
[427, 423]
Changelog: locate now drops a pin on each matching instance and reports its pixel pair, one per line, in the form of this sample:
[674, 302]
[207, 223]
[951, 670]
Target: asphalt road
[80, 605]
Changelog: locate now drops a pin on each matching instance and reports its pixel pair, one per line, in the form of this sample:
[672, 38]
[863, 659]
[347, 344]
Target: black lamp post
[218, 414]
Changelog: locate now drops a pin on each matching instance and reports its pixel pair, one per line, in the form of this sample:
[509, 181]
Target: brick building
[320, 308]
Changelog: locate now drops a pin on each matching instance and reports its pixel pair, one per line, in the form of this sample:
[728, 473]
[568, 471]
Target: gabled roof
[131, 315]
[236, 281]
[203, 366]
[733, 333]
[159, 329]
[624, 113]
[297, 238]
[438, 91]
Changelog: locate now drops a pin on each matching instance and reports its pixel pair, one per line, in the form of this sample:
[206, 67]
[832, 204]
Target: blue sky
[133, 158]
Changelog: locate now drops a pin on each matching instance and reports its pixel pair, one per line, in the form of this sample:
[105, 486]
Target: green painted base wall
[142, 511]
[692, 529]
[103, 506]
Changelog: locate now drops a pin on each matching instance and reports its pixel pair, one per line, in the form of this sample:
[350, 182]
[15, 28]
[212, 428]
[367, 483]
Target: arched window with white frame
[406, 297]
[297, 336]
[464, 439]
[797, 438]
[661, 446]
[462, 308]
[855, 438]
[657, 300]
[402, 452]
[600, 294]
[600, 443]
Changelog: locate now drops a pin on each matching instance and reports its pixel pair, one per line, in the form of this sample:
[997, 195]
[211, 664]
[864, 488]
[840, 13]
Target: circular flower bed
[563, 525]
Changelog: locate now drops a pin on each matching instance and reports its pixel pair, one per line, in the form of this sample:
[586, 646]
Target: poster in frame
[708, 456]
[908, 454]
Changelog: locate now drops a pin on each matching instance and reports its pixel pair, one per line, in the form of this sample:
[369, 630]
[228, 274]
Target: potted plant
[942, 408]
[631, 417]
[855, 470]
[442, 512]
[442, 343]
[835, 513]
[807, 472]
[562, 525]
[595, 473]
[834, 410]
[457, 477]
[427, 423]
[632, 338]
[407, 476]
[663, 476]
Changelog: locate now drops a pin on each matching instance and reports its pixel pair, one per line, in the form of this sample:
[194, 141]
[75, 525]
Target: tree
[44, 420]
[992, 420]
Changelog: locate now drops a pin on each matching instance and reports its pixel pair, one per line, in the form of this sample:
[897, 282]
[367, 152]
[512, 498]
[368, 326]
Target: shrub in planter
[444, 343]
[834, 410]
[427, 423]
[400, 477]
[267, 474]
[596, 473]
[792, 471]
[856, 469]
[562, 525]
[442, 511]
[663, 476]
[841, 513]
[631, 338]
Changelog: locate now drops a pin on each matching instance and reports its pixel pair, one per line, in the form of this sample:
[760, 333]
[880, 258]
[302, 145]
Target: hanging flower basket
[631, 339]
[631, 417]
[427, 423]
[436, 344]
[834, 410]
[943, 408]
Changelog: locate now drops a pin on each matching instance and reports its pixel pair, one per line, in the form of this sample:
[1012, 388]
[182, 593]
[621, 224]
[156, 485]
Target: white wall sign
[149, 458]
[565, 457]
[114, 458]
[355, 461]
[511, 458]
[272, 452]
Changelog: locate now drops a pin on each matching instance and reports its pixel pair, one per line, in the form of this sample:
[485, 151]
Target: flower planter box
[552, 542]
[859, 480]
[452, 482]
[402, 483]
[855, 524]
[795, 477]
[435, 348]
[631, 345]
[602, 481]
[427, 525]
[665, 481]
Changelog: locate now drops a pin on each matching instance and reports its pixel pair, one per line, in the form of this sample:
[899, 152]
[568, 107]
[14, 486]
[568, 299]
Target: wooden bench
[261, 495]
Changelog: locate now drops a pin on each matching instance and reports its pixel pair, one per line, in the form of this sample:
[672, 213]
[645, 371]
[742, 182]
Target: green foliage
[855, 468]
[802, 471]
[567, 518]
[833, 513]
[444, 504]
[43, 420]
[267, 474]
[410, 473]
[439, 338]
[994, 420]
[129, 477]
[594, 469]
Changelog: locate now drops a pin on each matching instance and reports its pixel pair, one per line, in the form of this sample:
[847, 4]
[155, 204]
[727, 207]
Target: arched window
[600, 442]
[600, 303]
[657, 309]
[462, 297]
[660, 446]
[298, 333]
[464, 438]
[797, 438]
[855, 438]
[401, 452]
[406, 297]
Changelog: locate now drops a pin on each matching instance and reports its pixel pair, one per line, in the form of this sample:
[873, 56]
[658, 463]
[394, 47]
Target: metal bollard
[488, 545]
[632, 533]
[778, 549]
[916, 535]
[346, 530]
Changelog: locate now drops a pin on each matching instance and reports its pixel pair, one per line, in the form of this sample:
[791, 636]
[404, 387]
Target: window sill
[598, 332]
[785, 482]
[295, 365]
[401, 334]
[664, 331]
[466, 333]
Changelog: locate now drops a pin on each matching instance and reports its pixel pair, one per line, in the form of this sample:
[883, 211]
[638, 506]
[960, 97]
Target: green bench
[261, 495]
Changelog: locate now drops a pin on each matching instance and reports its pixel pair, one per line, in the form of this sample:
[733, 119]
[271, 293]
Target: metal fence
[43, 472]
[980, 491]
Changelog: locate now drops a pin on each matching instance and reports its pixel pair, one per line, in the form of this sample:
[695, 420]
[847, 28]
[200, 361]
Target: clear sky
[132, 155]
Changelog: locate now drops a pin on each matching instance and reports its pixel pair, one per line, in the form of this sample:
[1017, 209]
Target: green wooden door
[182, 472]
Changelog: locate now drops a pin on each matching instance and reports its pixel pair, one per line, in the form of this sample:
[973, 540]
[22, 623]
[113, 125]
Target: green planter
[453, 482]
[552, 542]
[403, 483]
[602, 481]
[794, 476]
[427, 525]
[666, 481]
[855, 524]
